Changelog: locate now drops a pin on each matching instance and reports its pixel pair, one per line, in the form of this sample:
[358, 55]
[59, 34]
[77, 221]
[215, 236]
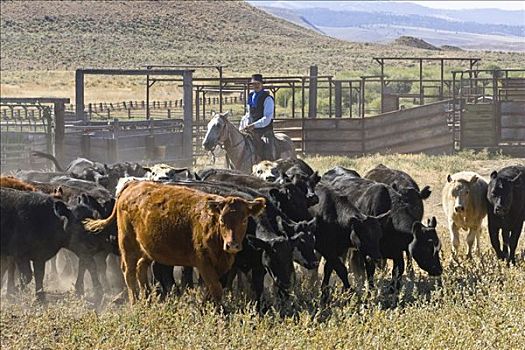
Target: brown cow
[17, 184]
[177, 226]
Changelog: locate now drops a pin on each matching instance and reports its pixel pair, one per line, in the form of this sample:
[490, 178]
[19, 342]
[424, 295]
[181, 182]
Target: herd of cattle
[223, 222]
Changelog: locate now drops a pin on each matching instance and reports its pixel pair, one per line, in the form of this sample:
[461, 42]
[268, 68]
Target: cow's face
[233, 216]
[215, 135]
[303, 241]
[266, 170]
[425, 247]
[366, 234]
[277, 258]
[291, 200]
[500, 193]
[461, 192]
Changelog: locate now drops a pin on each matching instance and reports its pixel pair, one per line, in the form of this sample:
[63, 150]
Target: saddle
[264, 145]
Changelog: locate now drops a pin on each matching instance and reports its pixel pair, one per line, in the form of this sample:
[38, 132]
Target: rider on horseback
[259, 118]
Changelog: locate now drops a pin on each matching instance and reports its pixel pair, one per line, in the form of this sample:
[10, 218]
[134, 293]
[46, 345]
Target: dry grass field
[476, 304]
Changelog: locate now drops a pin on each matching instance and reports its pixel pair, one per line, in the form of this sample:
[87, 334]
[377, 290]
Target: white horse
[240, 146]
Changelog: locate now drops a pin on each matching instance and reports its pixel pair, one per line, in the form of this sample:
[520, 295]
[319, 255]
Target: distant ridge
[410, 41]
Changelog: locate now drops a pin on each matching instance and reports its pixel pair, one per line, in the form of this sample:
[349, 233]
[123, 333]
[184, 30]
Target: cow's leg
[39, 267]
[142, 275]
[4, 264]
[370, 267]
[328, 268]
[163, 275]
[505, 233]
[471, 238]
[91, 266]
[102, 266]
[187, 277]
[397, 271]
[454, 237]
[11, 267]
[258, 283]
[211, 279]
[494, 238]
[79, 284]
[342, 272]
[513, 242]
[129, 268]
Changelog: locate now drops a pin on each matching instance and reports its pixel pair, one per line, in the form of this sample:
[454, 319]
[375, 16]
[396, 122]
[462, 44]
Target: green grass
[477, 304]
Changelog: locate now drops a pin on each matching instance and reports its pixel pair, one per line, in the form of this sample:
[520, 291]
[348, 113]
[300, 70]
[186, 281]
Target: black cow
[372, 198]
[407, 188]
[340, 226]
[34, 227]
[404, 184]
[289, 197]
[506, 209]
[290, 170]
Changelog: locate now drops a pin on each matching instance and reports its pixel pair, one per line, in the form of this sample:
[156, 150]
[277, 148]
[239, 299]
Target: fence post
[85, 146]
[312, 93]
[59, 131]
[338, 99]
[112, 143]
[187, 133]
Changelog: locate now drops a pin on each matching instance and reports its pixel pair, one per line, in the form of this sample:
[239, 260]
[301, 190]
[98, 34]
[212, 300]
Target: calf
[465, 205]
[34, 227]
[340, 226]
[506, 209]
[177, 226]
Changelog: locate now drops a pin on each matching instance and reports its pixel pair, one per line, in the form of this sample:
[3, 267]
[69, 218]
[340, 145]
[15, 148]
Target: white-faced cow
[465, 205]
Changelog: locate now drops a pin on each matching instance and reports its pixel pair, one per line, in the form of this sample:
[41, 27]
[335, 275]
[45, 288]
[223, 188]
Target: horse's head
[216, 133]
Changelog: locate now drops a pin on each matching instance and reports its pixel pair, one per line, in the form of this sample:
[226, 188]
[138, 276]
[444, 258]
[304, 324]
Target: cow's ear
[425, 192]
[225, 115]
[315, 178]
[494, 174]
[384, 218]
[58, 192]
[312, 225]
[417, 229]
[515, 180]
[449, 178]
[432, 222]
[61, 210]
[215, 206]
[295, 238]
[282, 225]
[394, 186]
[258, 243]
[257, 207]
[474, 179]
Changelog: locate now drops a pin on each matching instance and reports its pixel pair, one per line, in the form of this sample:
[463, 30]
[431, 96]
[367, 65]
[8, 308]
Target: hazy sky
[454, 5]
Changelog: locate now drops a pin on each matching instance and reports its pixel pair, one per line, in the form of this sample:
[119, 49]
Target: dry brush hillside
[47, 35]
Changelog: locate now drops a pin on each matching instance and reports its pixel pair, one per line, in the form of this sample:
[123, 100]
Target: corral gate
[27, 125]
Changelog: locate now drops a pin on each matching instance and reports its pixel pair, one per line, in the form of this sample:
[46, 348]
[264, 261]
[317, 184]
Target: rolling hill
[383, 22]
[65, 35]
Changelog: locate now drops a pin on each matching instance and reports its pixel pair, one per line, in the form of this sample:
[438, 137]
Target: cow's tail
[96, 226]
[48, 156]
